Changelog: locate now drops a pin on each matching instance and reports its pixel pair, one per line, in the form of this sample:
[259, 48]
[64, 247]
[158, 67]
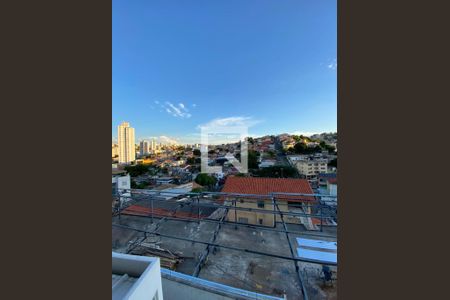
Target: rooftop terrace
[262, 259]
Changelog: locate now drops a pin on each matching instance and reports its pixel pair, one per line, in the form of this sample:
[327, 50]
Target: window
[260, 221]
[260, 204]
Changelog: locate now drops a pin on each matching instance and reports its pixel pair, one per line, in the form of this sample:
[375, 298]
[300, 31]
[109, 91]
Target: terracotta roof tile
[265, 186]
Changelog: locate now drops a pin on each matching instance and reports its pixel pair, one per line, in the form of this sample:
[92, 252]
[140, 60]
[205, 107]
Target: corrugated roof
[266, 186]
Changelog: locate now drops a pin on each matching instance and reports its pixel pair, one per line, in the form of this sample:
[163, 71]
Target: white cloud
[160, 139]
[179, 110]
[156, 102]
[167, 140]
[332, 65]
[231, 121]
[194, 105]
[305, 133]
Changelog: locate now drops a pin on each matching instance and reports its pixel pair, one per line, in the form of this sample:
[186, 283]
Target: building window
[260, 221]
[260, 204]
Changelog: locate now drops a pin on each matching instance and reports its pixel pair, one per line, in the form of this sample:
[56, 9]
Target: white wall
[146, 268]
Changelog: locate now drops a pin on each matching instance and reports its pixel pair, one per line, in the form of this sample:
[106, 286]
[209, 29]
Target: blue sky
[264, 63]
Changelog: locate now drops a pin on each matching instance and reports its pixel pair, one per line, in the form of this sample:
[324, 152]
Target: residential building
[309, 167]
[121, 184]
[267, 163]
[332, 186]
[323, 178]
[144, 148]
[127, 152]
[153, 145]
[115, 150]
[331, 190]
[265, 187]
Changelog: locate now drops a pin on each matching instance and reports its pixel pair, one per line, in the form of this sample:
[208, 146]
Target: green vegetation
[277, 172]
[302, 148]
[253, 159]
[197, 152]
[137, 170]
[190, 160]
[197, 190]
[333, 163]
[205, 179]
[271, 153]
[142, 185]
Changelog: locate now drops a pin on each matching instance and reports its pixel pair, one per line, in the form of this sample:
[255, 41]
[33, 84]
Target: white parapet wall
[146, 272]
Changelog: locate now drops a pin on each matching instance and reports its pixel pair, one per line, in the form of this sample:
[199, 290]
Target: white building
[121, 184]
[308, 167]
[144, 148]
[125, 136]
[153, 145]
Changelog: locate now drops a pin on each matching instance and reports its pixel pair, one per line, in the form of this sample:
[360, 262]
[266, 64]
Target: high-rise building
[153, 145]
[144, 148]
[125, 136]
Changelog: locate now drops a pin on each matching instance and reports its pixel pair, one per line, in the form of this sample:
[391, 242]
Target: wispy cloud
[231, 121]
[194, 105]
[332, 65]
[177, 110]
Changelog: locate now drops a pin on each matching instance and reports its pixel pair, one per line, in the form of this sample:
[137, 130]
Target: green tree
[197, 152]
[137, 170]
[253, 159]
[205, 179]
[333, 163]
[197, 190]
[277, 172]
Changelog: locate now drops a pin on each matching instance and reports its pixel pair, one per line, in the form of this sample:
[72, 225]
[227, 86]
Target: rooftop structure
[207, 246]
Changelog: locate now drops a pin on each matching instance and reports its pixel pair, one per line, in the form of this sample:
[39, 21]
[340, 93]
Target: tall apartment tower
[125, 136]
[153, 145]
[144, 148]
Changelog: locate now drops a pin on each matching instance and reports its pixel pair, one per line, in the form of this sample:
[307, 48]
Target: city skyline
[268, 66]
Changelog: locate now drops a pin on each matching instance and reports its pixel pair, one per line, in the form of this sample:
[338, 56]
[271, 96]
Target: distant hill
[330, 137]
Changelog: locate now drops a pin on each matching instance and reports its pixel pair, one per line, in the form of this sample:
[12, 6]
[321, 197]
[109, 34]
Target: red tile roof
[265, 186]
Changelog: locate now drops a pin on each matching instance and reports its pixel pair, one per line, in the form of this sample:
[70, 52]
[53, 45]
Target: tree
[301, 148]
[333, 163]
[190, 160]
[271, 153]
[197, 152]
[253, 159]
[205, 179]
[137, 170]
[277, 172]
